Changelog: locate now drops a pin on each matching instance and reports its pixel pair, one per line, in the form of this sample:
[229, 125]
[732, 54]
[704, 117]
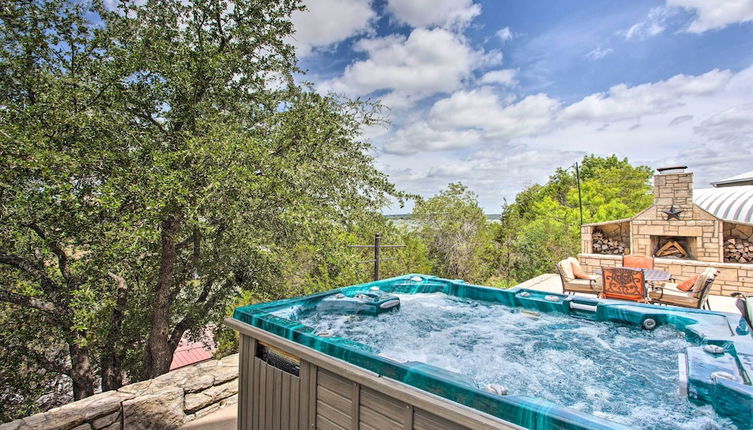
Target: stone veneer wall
[166, 402]
[706, 230]
[676, 189]
[732, 277]
[619, 230]
[736, 230]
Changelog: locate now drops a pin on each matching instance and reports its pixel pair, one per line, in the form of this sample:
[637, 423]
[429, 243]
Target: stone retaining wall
[732, 277]
[166, 402]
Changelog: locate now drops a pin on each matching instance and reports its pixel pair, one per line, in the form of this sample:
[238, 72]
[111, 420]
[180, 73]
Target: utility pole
[377, 254]
[580, 200]
[377, 245]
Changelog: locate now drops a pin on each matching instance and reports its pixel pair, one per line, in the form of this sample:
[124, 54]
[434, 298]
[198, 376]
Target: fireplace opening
[678, 247]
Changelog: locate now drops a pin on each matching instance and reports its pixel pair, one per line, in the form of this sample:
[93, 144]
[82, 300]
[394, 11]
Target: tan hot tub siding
[330, 394]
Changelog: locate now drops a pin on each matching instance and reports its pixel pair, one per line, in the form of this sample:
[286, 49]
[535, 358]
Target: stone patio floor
[226, 418]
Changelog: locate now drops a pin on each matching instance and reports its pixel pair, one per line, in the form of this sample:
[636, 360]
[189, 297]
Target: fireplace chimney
[674, 187]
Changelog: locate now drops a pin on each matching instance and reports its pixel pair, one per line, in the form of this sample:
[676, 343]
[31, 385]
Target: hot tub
[428, 353]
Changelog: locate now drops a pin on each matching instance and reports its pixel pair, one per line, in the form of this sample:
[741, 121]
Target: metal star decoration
[673, 213]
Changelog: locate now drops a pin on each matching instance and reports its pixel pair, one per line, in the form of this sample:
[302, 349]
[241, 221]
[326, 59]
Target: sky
[497, 94]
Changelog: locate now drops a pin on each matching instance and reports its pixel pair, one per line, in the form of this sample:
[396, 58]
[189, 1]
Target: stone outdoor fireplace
[678, 247]
[683, 238]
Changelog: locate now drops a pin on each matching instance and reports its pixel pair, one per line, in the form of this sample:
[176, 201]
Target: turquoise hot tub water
[566, 362]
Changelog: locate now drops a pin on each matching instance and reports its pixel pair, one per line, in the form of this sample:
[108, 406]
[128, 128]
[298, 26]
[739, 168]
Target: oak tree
[155, 158]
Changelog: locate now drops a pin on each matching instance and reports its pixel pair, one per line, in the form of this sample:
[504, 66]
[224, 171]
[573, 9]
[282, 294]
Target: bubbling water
[619, 373]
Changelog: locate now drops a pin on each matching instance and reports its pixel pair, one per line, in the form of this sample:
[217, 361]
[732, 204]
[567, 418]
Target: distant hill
[490, 217]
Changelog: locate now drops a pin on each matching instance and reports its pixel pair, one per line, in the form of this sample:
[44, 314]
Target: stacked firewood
[671, 248]
[738, 250]
[605, 245]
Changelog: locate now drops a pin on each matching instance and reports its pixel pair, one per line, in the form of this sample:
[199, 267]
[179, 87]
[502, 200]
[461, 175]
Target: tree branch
[151, 120]
[55, 248]
[21, 263]
[29, 268]
[207, 303]
[40, 359]
[30, 302]
[188, 241]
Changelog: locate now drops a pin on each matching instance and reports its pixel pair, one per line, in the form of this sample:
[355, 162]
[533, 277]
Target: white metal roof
[743, 177]
[728, 203]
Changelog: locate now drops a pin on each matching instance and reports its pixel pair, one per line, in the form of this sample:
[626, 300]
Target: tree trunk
[111, 360]
[82, 373]
[159, 352]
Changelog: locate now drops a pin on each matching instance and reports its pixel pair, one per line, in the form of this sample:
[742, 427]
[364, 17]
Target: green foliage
[542, 226]
[453, 227]
[155, 162]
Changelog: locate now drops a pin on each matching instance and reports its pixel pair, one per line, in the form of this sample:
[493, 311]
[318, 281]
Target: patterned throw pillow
[688, 284]
[578, 272]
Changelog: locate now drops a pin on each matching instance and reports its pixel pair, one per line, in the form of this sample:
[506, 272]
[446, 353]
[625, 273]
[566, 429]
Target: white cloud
[498, 145]
[655, 23]
[622, 102]
[504, 77]
[500, 121]
[707, 15]
[466, 109]
[469, 118]
[680, 119]
[326, 22]
[420, 136]
[521, 164]
[734, 125]
[493, 174]
[428, 13]
[598, 53]
[504, 34]
[715, 14]
[483, 118]
[424, 63]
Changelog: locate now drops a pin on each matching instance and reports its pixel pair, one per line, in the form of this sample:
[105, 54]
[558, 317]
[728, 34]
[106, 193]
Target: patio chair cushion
[672, 296]
[707, 274]
[566, 268]
[688, 284]
[581, 286]
[638, 261]
[578, 272]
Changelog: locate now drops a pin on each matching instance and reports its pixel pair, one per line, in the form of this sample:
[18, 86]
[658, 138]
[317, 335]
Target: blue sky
[497, 94]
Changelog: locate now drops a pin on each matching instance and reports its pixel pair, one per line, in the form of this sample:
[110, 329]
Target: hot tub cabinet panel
[294, 378]
[330, 394]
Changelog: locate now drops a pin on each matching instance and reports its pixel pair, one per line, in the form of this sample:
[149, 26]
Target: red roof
[189, 353]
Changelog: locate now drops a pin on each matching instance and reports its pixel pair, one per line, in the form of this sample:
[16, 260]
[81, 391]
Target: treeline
[449, 235]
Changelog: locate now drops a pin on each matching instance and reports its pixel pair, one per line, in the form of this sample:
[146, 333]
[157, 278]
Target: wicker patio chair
[571, 284]
[638, 261]
[623, 283]
[669, 294]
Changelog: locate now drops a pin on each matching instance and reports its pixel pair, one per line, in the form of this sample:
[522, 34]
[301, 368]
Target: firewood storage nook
[686, 233]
